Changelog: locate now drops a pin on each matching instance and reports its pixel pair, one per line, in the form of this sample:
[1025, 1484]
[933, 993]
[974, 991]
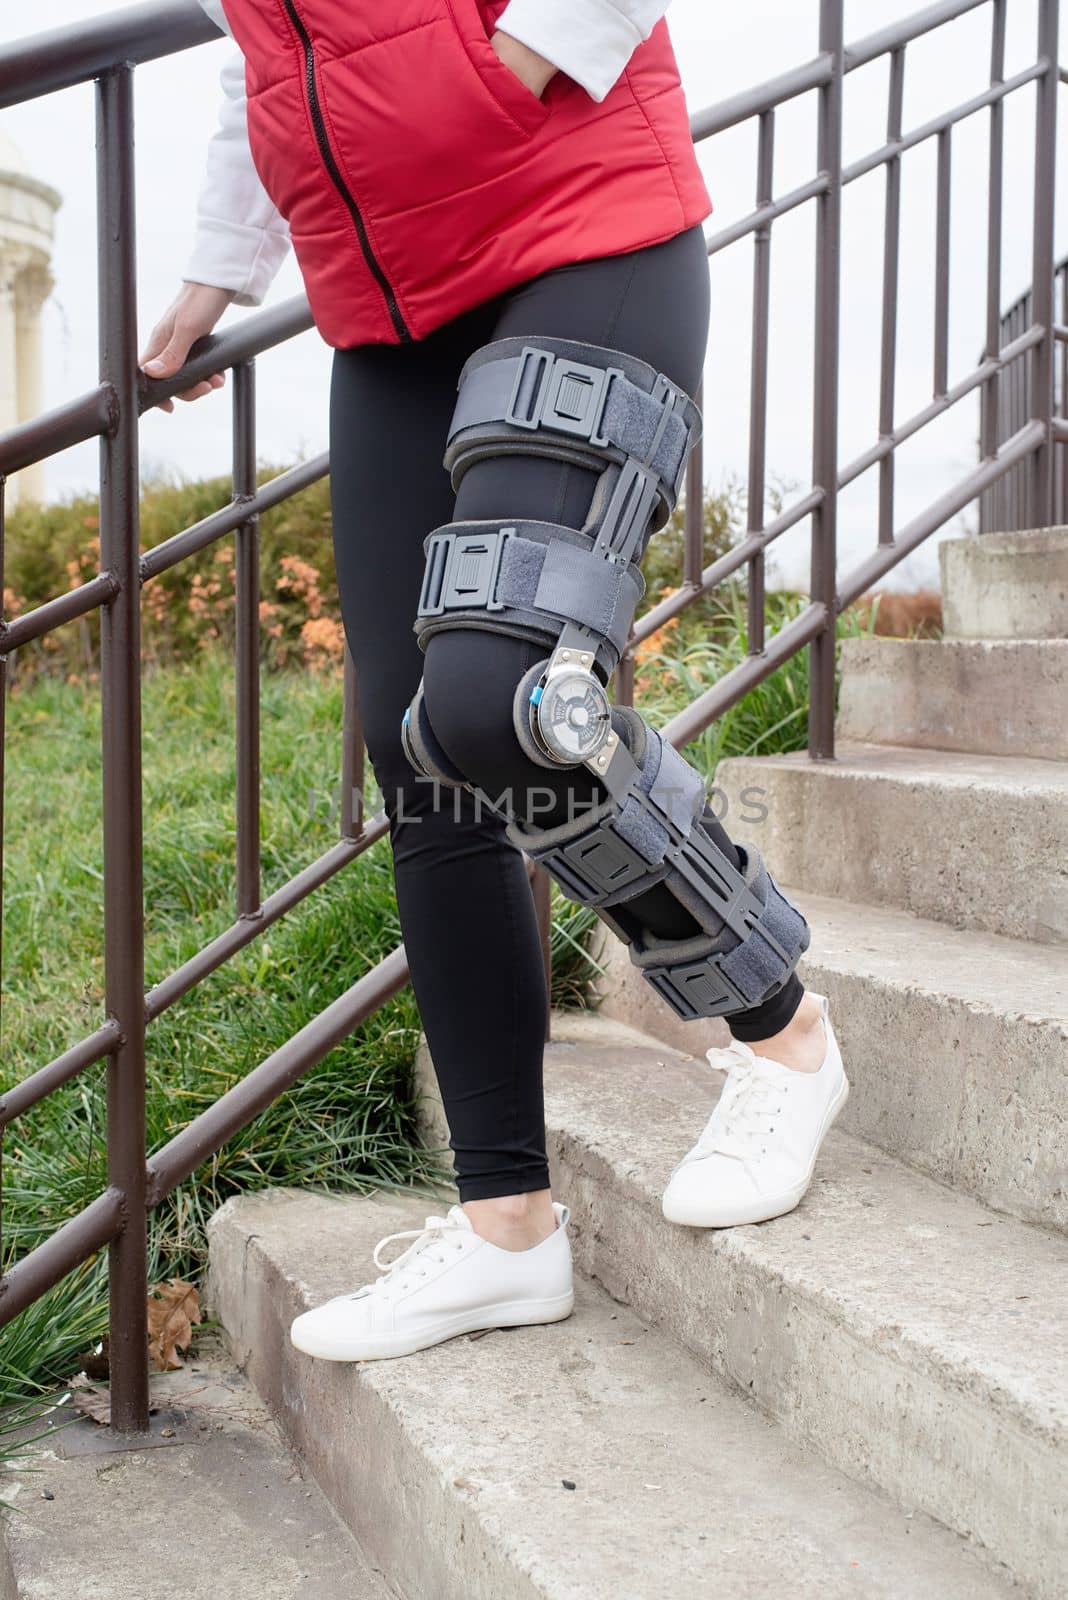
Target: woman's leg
[466, 909]
[653, 304]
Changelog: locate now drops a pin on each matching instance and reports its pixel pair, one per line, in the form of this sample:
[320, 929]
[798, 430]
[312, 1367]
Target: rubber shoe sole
[763, 1207]
[510, 1314]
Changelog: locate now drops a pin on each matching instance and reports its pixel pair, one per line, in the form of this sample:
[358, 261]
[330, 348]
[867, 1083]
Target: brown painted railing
[108, 50]
[1004, 508]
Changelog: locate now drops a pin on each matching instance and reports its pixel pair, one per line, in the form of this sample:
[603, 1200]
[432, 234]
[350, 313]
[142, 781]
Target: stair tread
[926, 1272]
[680, 1485]
[1010, 977]
[998, 696]
[914, 764]
[974, 841]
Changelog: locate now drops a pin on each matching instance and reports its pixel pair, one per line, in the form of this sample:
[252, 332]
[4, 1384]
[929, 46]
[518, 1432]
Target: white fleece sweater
[241, 240]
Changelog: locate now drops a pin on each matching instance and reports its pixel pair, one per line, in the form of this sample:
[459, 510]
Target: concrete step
[210, 1503]
[1006, 585]
[956, 1044]
[588, 1460]
[899, 1330]
[974, 841]
[1005, 697]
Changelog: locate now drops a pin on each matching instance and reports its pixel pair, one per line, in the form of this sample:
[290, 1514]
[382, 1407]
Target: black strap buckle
[554, 392]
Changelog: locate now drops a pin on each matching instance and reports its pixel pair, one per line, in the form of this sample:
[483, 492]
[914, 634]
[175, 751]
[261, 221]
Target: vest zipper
[319, 124]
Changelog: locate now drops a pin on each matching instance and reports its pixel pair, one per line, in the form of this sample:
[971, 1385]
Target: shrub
[189, 608]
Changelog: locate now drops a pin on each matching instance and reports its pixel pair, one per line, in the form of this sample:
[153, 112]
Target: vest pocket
[475, 23]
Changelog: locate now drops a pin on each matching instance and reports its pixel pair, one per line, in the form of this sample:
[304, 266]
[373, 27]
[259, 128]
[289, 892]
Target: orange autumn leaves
[649, 672]
[299, 594]
[182, 613]
[173, 1312]
[173, 1309]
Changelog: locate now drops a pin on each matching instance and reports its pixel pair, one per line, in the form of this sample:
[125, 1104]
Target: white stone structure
[27, 217]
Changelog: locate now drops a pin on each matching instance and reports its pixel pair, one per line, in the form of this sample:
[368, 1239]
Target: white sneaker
[449, 1281]
[756, 1155]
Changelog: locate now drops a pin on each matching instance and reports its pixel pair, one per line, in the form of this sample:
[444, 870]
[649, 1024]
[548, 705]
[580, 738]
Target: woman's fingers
[173, 353]
[196, 310]
[198, 390]
[157, 339]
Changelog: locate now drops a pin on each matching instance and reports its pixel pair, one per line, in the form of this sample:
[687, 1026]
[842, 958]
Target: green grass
[772, 718]
[349, 1123]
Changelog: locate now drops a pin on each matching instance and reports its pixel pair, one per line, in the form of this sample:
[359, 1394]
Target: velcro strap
[568, 582]
[585, 588]
[676, 789]
[487, 569]
[769, 952]
[597, 405]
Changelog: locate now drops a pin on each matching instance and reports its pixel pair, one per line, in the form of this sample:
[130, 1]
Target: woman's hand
[528, 66]
[194, 311]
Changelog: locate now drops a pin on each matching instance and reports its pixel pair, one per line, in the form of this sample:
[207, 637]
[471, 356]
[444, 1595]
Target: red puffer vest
[420, 177]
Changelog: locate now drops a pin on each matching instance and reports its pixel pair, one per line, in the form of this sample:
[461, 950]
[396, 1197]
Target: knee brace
[575, 592]
[647, 831]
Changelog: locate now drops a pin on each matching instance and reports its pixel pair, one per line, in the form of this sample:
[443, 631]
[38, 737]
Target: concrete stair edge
[213, 1499]
[973, 1441]
[982, 696]
[1006, 585]
[969, 840]
[449, 1466]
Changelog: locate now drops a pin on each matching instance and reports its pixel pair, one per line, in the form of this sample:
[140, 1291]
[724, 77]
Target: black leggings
[465, 904]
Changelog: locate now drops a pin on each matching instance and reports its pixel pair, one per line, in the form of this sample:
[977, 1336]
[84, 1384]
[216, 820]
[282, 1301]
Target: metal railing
[1004, 507]
[108, 51]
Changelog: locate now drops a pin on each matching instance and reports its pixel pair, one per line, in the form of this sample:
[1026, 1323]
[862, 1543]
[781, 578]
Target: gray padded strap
[629, 420]
[677, 789]
[758, 963]
[584, 588]
[571, 584]
[544, 569]
[484, 395]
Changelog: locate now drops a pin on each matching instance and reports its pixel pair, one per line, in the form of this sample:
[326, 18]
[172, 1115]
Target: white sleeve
[590, 40]
[241, 237]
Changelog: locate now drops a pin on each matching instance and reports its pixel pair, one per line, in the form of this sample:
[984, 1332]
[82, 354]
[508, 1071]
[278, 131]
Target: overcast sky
[721, 49]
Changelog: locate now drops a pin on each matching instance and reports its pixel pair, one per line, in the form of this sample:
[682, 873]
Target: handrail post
[825, 397]
[247, 644]
[1040, 509]
[758, 386]
[990, 395]
[120, 682]
[693, 559]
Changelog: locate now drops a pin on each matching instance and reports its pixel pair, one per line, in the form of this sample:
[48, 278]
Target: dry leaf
[89, 1400]
[93, 1400]
[172, 1309]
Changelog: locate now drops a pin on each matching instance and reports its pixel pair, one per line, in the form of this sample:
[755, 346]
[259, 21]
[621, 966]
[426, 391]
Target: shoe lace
[429, 1243]
[747, 1107]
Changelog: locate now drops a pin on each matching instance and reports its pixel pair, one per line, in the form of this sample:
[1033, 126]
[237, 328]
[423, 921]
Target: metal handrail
[1003, 508]
[106, 50]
